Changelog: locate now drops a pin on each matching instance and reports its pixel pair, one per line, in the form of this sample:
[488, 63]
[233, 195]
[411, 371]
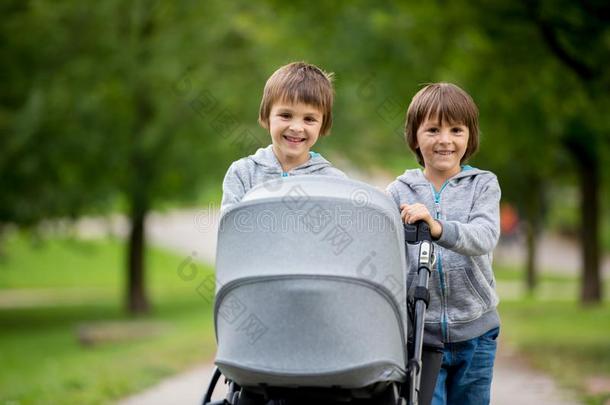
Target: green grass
[42, 359]
[557, 334]
[504, 273]
[61, 284]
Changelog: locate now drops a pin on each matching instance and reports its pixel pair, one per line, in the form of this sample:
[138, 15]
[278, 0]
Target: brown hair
[299, 82]
[447, 103]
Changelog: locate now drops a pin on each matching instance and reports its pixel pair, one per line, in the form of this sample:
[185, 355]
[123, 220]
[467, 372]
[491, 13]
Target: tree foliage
[139, 102]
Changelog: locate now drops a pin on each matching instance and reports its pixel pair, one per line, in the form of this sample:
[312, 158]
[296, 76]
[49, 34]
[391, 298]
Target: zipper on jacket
[439, 262]
[312, 155]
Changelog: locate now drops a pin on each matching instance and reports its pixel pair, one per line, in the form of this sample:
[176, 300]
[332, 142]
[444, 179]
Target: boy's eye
[284, 115]
[457, 130]
[433, 130]
[310, 119]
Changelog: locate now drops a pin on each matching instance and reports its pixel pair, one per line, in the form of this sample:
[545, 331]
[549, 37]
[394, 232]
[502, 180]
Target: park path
[193, 232]
[514, 383]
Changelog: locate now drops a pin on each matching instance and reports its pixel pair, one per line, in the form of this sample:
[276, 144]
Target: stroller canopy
[310, 286]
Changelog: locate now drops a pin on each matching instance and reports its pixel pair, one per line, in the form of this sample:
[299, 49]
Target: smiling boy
[460, 204]
[296, 109]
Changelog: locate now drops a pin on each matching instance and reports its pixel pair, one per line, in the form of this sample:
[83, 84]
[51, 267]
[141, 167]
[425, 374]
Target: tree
[47, 170]
[101, 113]
[167, 149]
[141, 103]
[576, 33]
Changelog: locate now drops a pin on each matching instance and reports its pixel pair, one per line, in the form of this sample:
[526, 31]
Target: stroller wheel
[391, 396]
[244, 397]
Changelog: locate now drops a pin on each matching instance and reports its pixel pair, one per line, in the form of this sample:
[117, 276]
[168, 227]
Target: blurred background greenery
[135, 107]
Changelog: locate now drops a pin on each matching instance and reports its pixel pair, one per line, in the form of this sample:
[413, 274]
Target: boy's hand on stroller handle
[411, 213]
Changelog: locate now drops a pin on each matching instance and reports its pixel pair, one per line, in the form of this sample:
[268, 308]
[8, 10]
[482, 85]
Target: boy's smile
[294, 128]
[442, 146]
[294, 139]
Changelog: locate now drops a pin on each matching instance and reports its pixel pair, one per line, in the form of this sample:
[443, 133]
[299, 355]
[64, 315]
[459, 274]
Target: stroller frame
[411, 392]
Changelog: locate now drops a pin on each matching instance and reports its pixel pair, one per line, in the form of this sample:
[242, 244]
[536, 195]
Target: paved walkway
[514, 383]
[555, 254]
[183, 231]
[187, 388]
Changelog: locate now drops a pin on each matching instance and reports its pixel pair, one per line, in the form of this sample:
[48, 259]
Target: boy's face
[442, 146]
[294, 129]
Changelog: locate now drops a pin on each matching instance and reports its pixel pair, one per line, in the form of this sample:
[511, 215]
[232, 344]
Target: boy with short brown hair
[296, 109]
[461, 205]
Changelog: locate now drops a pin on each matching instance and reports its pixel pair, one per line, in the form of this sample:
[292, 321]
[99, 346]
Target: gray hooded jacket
[247, 172]
[463, 299]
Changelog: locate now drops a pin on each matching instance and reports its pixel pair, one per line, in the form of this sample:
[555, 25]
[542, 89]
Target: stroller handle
[419, 232]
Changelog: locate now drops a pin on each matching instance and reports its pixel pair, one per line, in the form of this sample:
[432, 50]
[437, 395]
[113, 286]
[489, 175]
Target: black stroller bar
[210, 391]
[419, 232]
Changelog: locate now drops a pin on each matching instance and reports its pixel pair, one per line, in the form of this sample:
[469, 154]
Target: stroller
[311, 298]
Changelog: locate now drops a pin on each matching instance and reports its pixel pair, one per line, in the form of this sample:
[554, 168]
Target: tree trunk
[591, 288]
[139, 187]
[534, 212]
[137, 301]
[531, 279]
[2, 235]
[581, 144]
[584, 146]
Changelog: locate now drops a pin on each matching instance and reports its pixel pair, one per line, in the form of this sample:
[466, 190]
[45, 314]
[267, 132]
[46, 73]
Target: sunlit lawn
[557, 334]
[49, 292]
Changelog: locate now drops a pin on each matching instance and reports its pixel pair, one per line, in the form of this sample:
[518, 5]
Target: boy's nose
[444, 138]
[296, 126]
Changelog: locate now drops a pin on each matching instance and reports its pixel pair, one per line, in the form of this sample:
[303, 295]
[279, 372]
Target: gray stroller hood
[310, 286]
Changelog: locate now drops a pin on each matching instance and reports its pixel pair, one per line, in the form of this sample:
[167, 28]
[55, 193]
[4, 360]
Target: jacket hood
[265, 158]
[415, 177]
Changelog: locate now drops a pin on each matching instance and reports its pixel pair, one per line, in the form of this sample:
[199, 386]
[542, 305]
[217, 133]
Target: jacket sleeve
[480, 234]
[233, 188]
[391, 192]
